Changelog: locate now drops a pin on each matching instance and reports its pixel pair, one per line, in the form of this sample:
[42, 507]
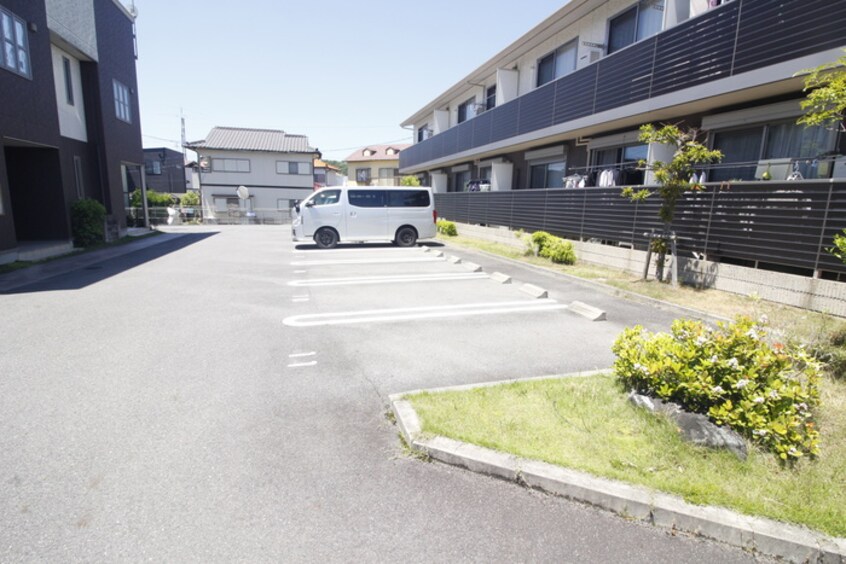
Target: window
[367, 198]
[292, 167]
[408, 199]
[326, 198]
[547, 175]
[490, 97]
[743, 148]
[423, 133]
[467, 110]
[642, 20]
[66, 66]
[122, 107]
[14, 55]
[230, 165]
[320, 177]
[623, 158]
[387, 173]
[559, 63]
[362, 175]
[153, 167]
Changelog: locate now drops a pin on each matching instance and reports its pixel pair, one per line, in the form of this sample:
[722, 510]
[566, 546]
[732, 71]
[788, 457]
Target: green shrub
[559, 251]
[542, 239]
[154, 199]
[831, 351]
[731, 374]
[88, 222]
[190, 199]
[447, 228]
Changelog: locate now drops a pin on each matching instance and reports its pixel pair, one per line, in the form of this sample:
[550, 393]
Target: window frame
[19, 44]
[68, 74]
[553, 59]
[490, 97]
[469, 104]
[123, 105]
[358, 175]
[636, 7]
[225, 160]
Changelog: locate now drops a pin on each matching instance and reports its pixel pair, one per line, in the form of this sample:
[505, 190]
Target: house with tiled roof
[375, 165]
[276, 168]
[326, 174]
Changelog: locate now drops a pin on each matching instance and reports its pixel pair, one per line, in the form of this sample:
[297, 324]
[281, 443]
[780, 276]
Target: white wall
[262, 170]
[71, 117]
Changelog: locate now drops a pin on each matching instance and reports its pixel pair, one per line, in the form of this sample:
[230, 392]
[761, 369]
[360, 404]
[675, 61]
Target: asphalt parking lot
[221, 394]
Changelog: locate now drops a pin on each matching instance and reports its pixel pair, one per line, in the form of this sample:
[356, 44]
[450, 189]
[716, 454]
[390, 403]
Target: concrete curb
[604, 288]
[534, 291]
[588, 311]
[501, 278]
[781, 540]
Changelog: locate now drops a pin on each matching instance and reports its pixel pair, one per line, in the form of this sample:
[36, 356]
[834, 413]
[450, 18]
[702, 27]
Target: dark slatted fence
[789, 224]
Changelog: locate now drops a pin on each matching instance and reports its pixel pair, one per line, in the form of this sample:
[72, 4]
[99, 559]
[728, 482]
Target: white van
[402, 214]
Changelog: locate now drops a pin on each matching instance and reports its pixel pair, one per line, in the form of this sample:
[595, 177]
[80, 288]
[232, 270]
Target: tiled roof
[321, 164]
[243, 139]
[378, 152]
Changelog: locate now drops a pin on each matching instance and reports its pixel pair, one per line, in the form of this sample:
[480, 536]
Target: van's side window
[408, 199]
[327, 197]
[367, 198]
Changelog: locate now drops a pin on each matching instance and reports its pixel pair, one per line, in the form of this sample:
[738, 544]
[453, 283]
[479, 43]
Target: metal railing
[736, 37]
[188, 215]
[779, 225]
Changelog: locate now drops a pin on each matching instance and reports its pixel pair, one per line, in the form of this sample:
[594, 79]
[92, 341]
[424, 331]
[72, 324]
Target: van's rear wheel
[326, 238]
[406, 237]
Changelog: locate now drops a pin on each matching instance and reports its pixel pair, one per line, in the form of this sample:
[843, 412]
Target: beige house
[375, 165]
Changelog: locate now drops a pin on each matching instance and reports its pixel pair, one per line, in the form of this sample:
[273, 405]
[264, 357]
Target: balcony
[731, 39]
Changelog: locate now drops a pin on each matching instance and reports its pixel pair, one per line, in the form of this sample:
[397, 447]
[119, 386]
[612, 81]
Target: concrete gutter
[772, 538]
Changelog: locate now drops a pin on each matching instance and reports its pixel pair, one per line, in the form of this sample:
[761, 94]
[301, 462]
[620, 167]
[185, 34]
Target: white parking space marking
[431, 312]
[302, 364]
[360, 250]
[300, 271]
[397, 279]
[301, 355]
[366, 261]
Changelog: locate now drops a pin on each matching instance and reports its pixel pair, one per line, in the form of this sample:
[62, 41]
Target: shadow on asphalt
[355, 246]
[88, 274]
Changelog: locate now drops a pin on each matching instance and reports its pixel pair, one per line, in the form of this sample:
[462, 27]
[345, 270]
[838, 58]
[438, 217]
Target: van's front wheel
[406, 237]
[326, 238]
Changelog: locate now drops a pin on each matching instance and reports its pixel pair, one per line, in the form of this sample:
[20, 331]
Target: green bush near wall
[447, 228]
[88, 222]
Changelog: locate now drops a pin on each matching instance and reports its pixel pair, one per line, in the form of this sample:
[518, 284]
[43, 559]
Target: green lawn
[587, 424]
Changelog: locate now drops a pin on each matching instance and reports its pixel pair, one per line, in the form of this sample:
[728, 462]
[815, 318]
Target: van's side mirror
[310, 204]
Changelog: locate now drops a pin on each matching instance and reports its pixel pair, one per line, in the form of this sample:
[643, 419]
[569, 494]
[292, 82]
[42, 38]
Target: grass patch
[786, 321]
[22, 264]
[587, 424]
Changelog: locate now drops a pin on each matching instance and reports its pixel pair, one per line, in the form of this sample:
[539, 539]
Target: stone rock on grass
[694, 427]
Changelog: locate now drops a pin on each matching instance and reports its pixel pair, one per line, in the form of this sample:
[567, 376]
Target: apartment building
[69, 123]
[564, 102]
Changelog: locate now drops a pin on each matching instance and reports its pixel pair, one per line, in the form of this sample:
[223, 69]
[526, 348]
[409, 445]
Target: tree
[825, 102]
[409, 181]
[341, 165]
[673, 178]
[825, 105]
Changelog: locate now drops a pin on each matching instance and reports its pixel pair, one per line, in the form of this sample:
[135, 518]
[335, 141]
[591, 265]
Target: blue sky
[345, 74]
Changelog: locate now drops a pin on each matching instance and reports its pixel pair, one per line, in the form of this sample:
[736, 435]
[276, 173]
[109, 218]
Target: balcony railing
[734, 38]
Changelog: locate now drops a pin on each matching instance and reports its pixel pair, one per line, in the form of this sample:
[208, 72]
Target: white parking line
[365, 261]
[300, 271]
[301, 355]
[302, 364]
[432, 312]
[388, 279]
[361, 250]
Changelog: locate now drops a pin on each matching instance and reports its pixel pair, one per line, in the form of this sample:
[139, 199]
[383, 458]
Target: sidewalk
[70, 263]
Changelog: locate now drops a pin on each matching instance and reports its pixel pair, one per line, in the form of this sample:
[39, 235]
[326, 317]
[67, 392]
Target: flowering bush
[731, 374]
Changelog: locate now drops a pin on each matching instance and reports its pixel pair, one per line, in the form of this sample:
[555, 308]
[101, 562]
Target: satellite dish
[171, 214]
[243, 192]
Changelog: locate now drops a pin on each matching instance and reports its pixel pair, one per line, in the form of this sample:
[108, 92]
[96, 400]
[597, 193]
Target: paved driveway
[221, 395]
